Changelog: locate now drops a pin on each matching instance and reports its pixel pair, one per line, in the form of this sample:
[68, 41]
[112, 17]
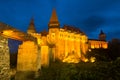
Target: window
[53, 35]
[68, 36]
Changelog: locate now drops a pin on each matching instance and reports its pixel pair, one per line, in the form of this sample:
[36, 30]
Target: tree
[100, 54]
[114, 49]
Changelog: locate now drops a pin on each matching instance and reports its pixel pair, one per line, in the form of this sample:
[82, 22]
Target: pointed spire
[54, 17]
[31, 28]
[54, 20]
[102, 36]
[101, 32]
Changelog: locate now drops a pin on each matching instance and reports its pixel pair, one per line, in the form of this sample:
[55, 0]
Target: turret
[102, 36]
[53, 23]
[53, 27]
[31, 28]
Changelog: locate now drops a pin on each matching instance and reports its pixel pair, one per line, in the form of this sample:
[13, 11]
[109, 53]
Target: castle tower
[54, 23]
[31, 28]
[102, 36]
[53, 27]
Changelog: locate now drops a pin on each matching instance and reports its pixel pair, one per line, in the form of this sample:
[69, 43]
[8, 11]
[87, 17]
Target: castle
[68, 44]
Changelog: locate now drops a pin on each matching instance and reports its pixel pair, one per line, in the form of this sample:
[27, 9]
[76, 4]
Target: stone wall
[4, 59]
[44, 56]
[27, 57]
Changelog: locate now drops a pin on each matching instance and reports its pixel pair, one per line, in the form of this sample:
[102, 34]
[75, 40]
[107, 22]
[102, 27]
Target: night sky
[89, 15]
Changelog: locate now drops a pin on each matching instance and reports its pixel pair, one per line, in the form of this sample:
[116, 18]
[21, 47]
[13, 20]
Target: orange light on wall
[105, 46]
[44, 56]
[92, 59]
[92, 46]
[86, 60]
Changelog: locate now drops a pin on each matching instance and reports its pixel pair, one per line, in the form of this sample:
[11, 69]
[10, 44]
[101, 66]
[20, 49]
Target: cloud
[92, 23]
[89, 15]
[113, 35]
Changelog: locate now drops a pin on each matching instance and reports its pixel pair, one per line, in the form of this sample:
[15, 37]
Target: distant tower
[53, 27]
[31, 28]
[53, 23]
[102, 36]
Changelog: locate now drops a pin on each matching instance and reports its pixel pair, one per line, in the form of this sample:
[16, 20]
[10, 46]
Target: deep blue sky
[89, 15]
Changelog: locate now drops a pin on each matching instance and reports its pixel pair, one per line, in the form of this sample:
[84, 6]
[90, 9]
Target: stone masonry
[4, 59]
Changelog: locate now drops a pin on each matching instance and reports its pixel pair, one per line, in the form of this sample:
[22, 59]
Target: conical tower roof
[54, 20]
[31, 28]
[101, 32]
[102, 36]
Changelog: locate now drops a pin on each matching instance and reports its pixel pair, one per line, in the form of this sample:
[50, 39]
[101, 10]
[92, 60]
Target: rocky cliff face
[4, 59]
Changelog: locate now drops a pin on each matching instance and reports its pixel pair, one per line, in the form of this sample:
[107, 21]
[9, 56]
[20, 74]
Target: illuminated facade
[67, 44]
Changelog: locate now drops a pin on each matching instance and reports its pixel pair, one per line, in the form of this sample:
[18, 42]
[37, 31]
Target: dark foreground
[80, 71]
